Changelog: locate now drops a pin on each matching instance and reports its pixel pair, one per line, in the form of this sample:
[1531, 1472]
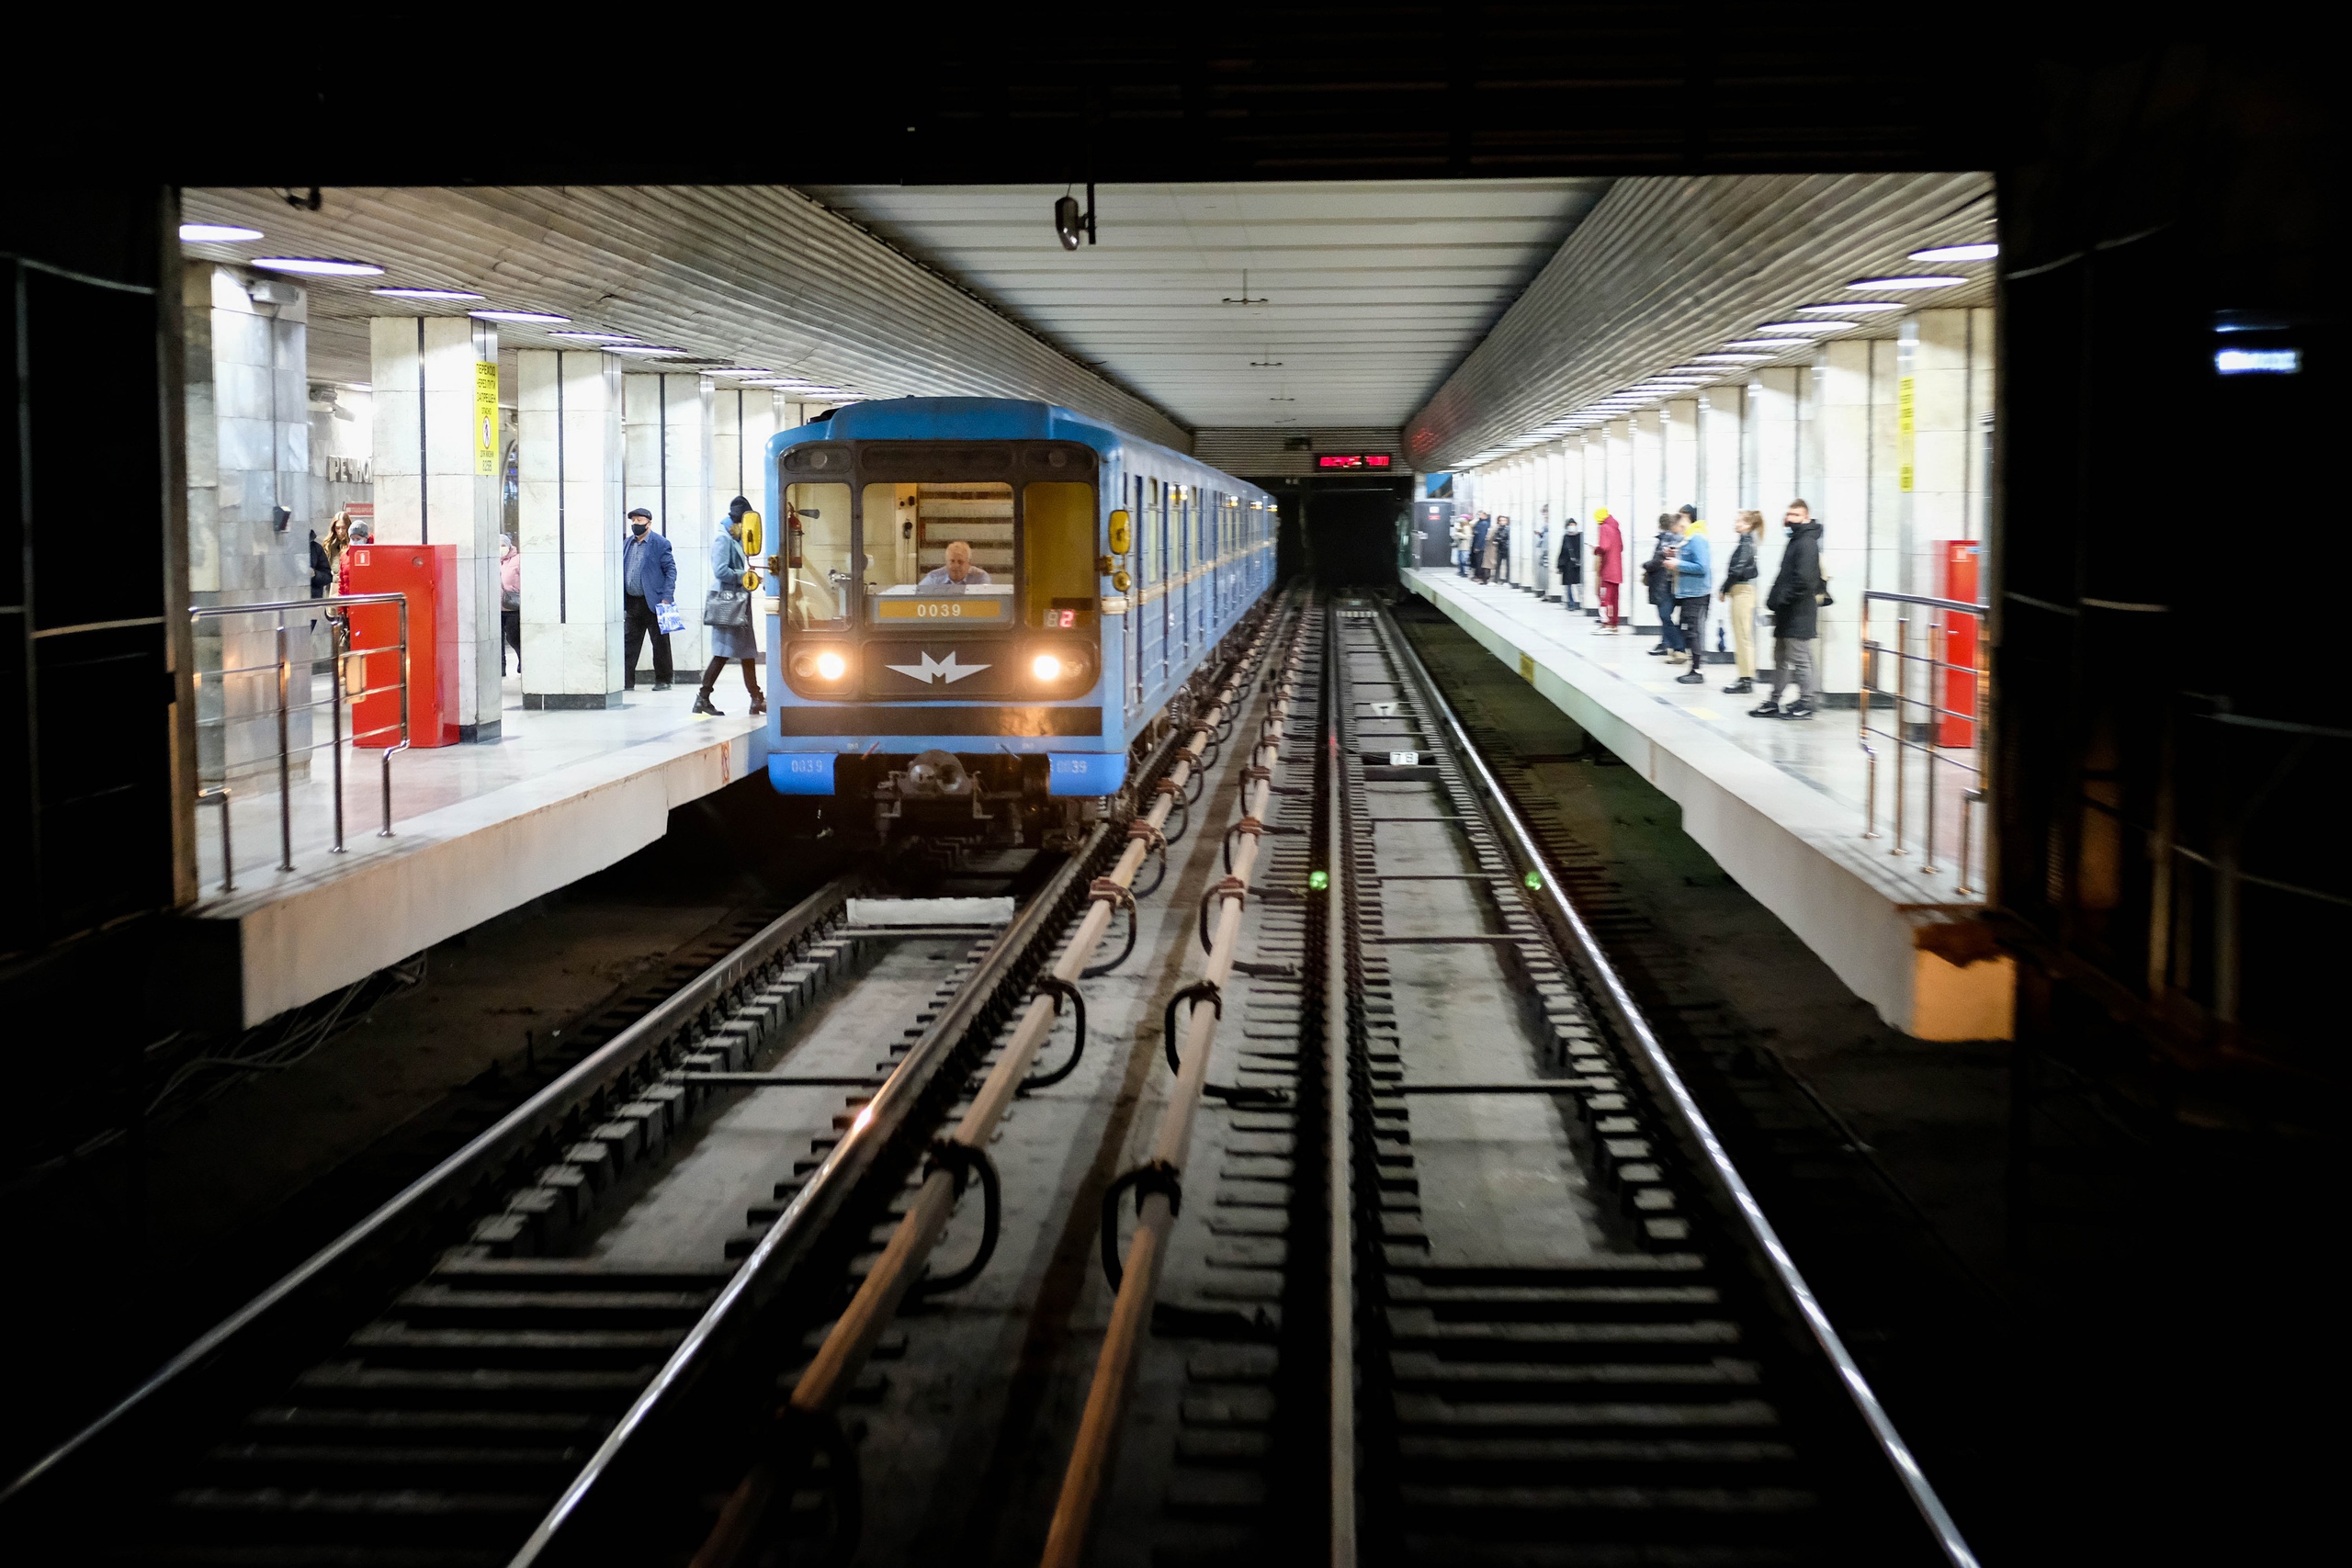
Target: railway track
[1287, 1177]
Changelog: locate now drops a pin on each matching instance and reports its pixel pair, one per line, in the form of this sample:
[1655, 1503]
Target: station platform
[1778, 804]
[477, 831]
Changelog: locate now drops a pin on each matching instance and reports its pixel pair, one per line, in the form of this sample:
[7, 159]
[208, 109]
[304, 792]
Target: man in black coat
[1795, 604]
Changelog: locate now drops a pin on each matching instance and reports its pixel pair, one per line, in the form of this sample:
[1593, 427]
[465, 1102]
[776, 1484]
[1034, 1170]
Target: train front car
[977, 606]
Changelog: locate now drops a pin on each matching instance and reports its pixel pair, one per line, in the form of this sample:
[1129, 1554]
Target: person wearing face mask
[727, 614]
[649, 579]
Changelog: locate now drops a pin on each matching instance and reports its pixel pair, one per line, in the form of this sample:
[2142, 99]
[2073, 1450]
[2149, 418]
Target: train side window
[1060, 523]
[816, 549]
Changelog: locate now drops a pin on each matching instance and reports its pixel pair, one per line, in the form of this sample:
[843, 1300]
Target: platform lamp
[1069, 223]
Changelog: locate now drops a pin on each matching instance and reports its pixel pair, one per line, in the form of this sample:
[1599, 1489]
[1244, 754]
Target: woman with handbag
[727, 611]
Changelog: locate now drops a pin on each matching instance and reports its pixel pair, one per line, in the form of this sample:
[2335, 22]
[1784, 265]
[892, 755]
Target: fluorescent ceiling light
[1856, 308]
[589, 337]
[425, 293]
[2258, 361]
[639, 348]
[318, 266]
[215, 234]
[1931, 280]
[1778, 345]
[739, 370]
[1729, 358]
[1794, 327]
[516, 316]
[1957, 253]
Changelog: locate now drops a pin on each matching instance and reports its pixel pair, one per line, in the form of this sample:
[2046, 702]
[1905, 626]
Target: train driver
[959, 571]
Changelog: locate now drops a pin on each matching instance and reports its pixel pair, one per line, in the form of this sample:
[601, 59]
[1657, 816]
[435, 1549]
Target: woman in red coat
[1608, 562]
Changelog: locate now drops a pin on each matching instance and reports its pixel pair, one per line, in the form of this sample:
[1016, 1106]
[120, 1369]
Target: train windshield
[940, 552]
[817, 542]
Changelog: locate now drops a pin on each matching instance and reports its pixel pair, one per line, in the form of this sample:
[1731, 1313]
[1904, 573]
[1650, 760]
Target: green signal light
[1318, 880]
[1535, 882]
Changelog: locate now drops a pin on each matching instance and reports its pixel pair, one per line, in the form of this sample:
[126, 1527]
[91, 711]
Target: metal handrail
[285, 708]
[1976, 793]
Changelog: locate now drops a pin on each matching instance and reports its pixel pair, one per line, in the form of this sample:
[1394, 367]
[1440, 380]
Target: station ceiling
[746, 283]
[1324, 303]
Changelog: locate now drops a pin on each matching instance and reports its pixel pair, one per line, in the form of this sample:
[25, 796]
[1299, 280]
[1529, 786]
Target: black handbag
[727, 607]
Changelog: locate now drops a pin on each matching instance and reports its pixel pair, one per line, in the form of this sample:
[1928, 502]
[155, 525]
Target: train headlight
[1046, 667]
[820, 666]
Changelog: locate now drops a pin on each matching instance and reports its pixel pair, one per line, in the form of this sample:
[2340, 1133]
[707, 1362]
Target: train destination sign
[1353, 460]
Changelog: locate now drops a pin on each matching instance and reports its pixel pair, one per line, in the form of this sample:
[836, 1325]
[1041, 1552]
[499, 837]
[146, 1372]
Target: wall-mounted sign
[1353, 460]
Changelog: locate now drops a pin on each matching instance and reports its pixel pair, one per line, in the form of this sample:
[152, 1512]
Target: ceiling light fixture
[1778, 345]
[215, 234]
[1928, 280]
[1856, 308]
[1956, 252]
[738, 370]
[425, 293]
[589, 337]
[318, 266]
[1807, 327]
[516, 316]
[1729, 358]
[640, 349]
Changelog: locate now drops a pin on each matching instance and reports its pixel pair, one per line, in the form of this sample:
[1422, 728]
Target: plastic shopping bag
[669, 618]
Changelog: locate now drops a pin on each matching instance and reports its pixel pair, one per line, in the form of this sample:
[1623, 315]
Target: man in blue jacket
[1692, 565]
[648, 578]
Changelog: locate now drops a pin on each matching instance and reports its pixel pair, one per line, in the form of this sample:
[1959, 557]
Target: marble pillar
[1935, 468]
[1772, 441]
[436, 467]
[246, 399]
[1679, 425]
[1887, 560]
[568, 412]
[1842, 421]
[1719, 460]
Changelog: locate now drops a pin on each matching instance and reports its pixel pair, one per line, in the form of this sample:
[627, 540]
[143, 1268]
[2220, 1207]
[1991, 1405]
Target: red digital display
[1351, 460]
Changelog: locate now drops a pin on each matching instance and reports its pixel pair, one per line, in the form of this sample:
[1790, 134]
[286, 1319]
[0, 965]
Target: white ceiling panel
[1361, 297]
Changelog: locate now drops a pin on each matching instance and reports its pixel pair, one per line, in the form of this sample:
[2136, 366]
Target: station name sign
[1352, 461]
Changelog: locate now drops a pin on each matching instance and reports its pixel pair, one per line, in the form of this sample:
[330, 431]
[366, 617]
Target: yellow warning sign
[485, 416]
[1527, 668]
[1905, 432]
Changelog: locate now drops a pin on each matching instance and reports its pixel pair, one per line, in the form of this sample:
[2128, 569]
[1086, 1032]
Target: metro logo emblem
[931, 670]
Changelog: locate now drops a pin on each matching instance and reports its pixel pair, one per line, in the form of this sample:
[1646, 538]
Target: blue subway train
[979, 606]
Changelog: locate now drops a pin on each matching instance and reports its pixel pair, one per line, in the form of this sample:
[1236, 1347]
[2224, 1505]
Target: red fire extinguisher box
[427, 575]
[1958, 561]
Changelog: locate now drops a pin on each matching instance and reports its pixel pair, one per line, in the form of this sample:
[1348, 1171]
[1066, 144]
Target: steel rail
[480, 1160]
[842, 1356]
[1896, 1452]
[1338, 1133]
[806, 1219]
[1089, 1461]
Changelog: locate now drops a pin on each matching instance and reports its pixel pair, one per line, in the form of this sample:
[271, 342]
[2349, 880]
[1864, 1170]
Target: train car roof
[1000, 418]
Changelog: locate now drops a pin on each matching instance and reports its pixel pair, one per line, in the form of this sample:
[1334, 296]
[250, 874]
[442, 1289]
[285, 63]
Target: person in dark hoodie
[1795, 604]
[1657, 584]
[1571, 563]
[1481, 561]
[1739, 600]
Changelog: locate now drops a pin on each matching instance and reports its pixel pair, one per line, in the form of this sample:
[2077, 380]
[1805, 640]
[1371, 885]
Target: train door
[1131, 636]
[1167, 577]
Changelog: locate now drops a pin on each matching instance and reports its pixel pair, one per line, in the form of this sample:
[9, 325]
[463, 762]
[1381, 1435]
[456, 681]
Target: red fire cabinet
[427, 574]
[1958, 560]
